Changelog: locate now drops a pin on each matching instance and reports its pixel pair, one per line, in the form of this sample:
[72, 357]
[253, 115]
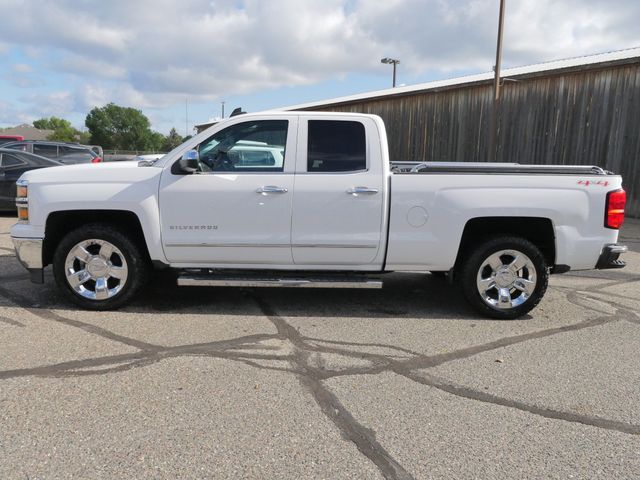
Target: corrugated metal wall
[589, 117]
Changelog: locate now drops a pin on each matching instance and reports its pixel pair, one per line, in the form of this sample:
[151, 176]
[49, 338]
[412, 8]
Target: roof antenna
[237, 111]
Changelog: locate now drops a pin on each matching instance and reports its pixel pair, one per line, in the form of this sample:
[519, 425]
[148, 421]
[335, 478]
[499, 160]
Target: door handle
[355, 191]
[267, 189]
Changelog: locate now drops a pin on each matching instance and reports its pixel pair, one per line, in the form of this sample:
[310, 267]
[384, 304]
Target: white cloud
[22, 75]
[54, 103]
[65, 24]
[89, 95]
[545, 30]
[152, 53]
[11, 116]
[21, 68]
[90, 67]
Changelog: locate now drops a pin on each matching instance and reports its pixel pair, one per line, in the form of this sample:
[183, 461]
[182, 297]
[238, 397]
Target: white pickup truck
[308, 199]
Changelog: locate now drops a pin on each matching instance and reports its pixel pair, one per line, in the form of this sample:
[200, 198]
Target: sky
[177, 61]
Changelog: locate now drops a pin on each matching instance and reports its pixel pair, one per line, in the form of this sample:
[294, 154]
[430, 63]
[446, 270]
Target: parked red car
[10, 138]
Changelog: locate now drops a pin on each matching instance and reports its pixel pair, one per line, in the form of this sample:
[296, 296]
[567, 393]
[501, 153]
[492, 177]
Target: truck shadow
[405, 295]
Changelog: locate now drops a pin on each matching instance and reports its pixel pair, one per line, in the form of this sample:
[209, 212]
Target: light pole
[394, 62]
[222, 103]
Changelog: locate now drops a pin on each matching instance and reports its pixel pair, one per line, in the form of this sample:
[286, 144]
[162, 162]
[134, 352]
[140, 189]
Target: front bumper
[609, 256]
[29, 252]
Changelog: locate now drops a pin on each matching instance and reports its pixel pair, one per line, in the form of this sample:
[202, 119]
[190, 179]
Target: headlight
[22, 201]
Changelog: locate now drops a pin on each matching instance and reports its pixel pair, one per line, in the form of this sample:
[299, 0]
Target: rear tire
[99, 267]
[504, 278]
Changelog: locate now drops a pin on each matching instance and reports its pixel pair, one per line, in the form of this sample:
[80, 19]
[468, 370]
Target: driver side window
[255, 146]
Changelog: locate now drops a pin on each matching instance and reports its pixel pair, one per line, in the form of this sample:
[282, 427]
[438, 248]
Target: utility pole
[223, 102]
[493, 133]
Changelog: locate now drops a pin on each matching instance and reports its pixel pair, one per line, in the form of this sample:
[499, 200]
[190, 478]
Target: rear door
[339, 194]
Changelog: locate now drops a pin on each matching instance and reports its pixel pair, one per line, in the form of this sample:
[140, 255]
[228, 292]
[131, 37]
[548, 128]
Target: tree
[84, 138]
[121, 128]
[63, 131]
[156, 142]
[172, 140]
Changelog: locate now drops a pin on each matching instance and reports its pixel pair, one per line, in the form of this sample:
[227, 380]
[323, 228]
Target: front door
[237, 209]
[339, 195]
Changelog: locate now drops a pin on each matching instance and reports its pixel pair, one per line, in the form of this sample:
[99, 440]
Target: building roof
[29, 132]
[631, 55]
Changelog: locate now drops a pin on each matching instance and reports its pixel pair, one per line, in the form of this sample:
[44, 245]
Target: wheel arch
[538, 230]
[59, 223]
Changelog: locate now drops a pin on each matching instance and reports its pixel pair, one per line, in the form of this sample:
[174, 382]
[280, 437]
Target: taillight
[96, 160]
[614, 209]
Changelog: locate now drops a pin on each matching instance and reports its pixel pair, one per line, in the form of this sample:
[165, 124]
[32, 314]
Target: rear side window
[17, 146]
[9, 160]
[67, 150]
[78, 151]
[50, 151]
[336, 146]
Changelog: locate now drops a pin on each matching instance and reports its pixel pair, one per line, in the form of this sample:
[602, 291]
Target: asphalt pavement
[406, 382]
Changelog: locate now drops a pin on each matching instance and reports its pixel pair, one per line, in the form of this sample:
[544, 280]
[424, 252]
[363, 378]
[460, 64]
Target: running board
[219, 280]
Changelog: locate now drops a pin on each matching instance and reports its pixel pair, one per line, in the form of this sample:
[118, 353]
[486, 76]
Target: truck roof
[305, 113]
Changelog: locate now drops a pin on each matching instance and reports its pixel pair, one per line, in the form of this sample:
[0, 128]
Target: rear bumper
[29, 252]
[609, 258]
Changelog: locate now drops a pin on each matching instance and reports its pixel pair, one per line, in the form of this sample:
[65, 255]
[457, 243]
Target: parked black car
[67, 153]
[12, 165]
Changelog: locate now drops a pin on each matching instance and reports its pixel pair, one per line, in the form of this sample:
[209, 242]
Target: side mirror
[190, 162]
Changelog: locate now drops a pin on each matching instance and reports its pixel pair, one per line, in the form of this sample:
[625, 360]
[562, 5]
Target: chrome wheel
[96, 269]
[506, 279]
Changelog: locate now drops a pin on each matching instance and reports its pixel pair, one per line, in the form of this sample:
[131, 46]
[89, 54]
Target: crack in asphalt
[93, 329]
[362, 437]
[250, 350]
[486, 397]
[11, 321]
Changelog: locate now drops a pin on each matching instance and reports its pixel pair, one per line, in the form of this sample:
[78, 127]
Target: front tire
[98, 267]
[505, 277]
